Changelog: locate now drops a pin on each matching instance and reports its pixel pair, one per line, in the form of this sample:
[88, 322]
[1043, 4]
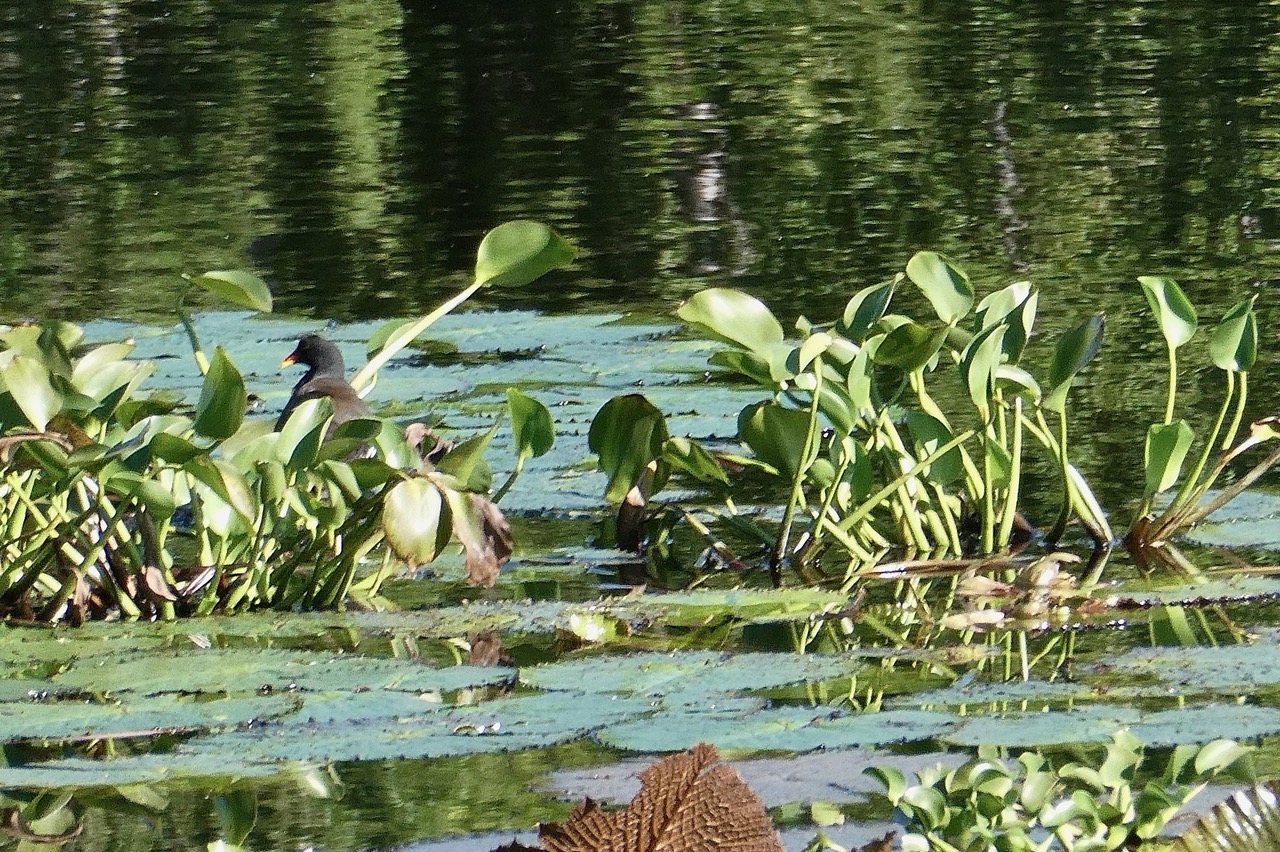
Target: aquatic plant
[884, 432]
[1029, 805]
[118, 502]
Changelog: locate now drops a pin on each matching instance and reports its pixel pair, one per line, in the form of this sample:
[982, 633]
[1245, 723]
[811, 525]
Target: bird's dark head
[322, 357]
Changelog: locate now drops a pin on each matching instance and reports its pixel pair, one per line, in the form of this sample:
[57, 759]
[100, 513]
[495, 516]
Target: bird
[325, 377]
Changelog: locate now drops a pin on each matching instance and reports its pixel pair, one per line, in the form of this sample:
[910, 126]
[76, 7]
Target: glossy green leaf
[733, 317]
[979, 362]
[866, 307]
[910, 347]
[776, 435]
[31, 386]
[518, 252]
[1233, 343]
[532, 429]
[416, 520]
[223, 399]
[626, 434]
[1173, 311]
[693, 459]
[1165, 450]
[174, 449]
[1219, 755]
[928, 434]
[239, 288]
[943, 283]
[1075, 349]
[1015, 306]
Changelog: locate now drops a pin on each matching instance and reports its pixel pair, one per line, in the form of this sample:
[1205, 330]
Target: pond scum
[908, 614]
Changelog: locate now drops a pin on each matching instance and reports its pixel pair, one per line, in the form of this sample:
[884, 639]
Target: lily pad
[1054, 727]
[698, 672]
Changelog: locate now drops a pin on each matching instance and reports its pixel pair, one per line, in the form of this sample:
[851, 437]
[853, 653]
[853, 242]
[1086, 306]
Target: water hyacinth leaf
[1166, 449]
[416, 520]
[239, 288]
[223, 399]
[174, 449]
[626, 434]
[1233, 343]
[733, 317]
[518, 252]
[1075, 349]
[910, 347]
[466, 463]
[1017, 381]
[813, 347]
[866, 308]
[220, 477]
[979, 361]
[776, 435]
[928, 434]
[532, 429]
[1173, 311]
[691, 457]
[31, 387]
[943, 283]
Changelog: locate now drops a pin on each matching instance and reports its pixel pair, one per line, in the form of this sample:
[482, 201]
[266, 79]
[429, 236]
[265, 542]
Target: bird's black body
[325, 377]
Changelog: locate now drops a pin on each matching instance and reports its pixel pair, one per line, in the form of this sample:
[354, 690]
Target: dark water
[353, 154]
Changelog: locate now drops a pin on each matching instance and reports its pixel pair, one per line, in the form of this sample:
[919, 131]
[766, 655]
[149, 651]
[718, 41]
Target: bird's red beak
[289, 360]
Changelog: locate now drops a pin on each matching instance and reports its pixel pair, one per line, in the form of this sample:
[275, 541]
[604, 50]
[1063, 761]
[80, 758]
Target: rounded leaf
[221, 408]
[733, 317]
[867, 306]
[32, 389]
[532, 428]
[1174, 312]
[416, 520]
[1165, 450]
[1233, 344]
[1076, 348]
[626, 434]
[943, 283]
[239, 288]
[910, 347]
[518, 252]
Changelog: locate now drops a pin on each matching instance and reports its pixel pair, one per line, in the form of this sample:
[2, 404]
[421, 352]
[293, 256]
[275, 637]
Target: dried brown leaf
[487, 553]
[689, 802]
[884, 844]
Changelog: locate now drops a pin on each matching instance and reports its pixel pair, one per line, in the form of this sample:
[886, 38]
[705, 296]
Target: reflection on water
[353, 153]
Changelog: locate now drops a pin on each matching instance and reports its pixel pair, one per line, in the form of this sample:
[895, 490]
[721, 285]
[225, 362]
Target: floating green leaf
[626, 434]
[1165, 450]
[1233, 343]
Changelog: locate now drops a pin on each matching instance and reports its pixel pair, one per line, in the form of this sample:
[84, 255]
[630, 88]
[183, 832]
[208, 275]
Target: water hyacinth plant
[117, 502]
[870, 463]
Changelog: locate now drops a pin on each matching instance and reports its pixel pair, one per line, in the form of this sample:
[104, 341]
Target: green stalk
[201, 361]
[797, 484]
[1015, 479]
[1173, 385]
[1064, 514]
[876, 499]
[1235, 421]
[1192, 487]
[404, 338]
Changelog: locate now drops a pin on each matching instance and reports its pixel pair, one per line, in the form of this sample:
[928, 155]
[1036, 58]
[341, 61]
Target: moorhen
[325, 376]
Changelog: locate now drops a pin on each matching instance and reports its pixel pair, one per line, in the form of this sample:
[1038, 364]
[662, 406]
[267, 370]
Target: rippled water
[353, 154]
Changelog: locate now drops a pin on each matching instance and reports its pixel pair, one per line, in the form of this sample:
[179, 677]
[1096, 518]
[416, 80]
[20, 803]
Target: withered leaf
[689, 802]
[488, 544]
[487, 650]
[884, 844]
